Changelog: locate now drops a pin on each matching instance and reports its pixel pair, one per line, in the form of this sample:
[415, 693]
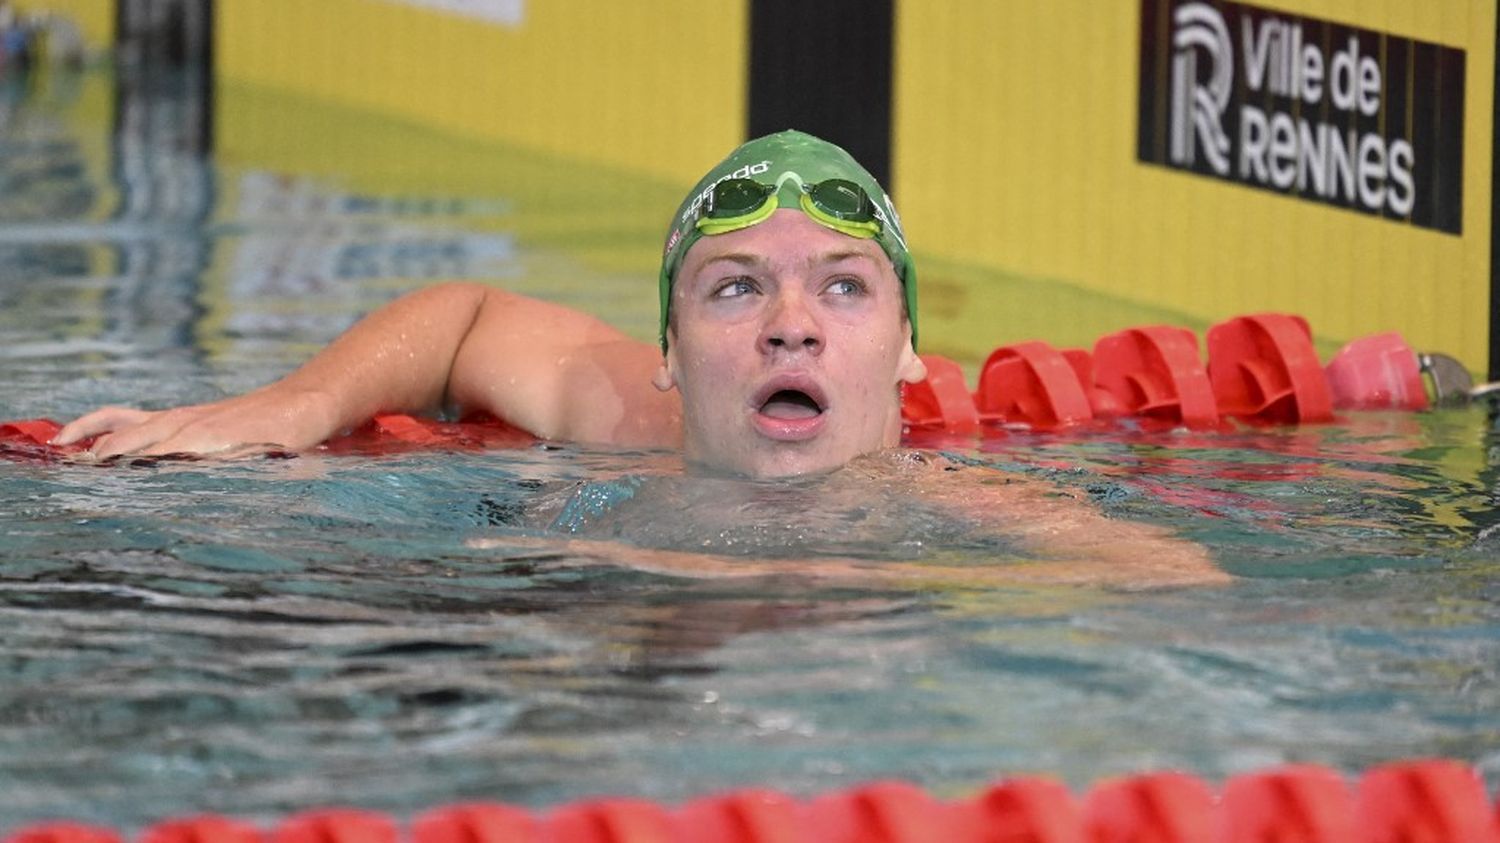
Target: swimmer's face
[788, 343]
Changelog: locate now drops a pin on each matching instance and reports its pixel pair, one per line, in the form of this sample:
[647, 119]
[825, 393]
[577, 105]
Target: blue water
[397, 632]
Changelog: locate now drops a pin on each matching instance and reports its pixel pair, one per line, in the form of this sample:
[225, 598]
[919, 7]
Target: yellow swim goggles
[840, 204]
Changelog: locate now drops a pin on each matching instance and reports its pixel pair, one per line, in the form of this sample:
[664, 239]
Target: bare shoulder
[563, 374]
[1070, 538]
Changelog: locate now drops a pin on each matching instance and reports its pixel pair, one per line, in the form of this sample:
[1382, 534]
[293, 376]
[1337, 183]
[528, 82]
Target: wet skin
[788, 344]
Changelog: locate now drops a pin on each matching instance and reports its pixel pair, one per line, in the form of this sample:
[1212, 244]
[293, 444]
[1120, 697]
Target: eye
[734, 288]
[846, 286]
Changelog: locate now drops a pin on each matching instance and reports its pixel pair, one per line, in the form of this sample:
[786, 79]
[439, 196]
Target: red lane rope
[1261, 369]
[1419, 801]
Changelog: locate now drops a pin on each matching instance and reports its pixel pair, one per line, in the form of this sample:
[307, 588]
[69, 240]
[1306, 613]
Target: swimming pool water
[268, 635]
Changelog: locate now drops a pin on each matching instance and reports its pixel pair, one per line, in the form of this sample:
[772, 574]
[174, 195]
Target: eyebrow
[741, 258]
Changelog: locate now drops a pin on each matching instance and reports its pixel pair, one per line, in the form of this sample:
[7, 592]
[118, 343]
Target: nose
[790, 325]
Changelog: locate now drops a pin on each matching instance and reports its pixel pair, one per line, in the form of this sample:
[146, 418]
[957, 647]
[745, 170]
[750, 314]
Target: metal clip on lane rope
[1452, 384]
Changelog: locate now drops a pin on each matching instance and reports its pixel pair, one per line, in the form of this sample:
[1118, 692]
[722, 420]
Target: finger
[205, 438]
[195, 445]
[158, 430]
[99, 421]
[222, 437]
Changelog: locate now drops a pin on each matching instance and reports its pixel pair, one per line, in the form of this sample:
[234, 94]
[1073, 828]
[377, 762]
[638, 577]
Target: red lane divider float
[1034, 384]
[1035, 810]
[1425, 801]
[64, 832]
[333, 825]
[1301, 803]
[1261, 369]
[203, 829]
[1165, 807]
[942, 400]
[1377, 372]
[1264, 368]
[1156, 372]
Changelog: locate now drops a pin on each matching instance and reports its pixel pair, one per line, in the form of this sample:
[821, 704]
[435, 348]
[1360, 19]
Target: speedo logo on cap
[744, 172]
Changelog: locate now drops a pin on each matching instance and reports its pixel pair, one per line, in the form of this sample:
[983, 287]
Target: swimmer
[788, 325]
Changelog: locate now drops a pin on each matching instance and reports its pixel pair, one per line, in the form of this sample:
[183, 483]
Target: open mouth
[791, 405]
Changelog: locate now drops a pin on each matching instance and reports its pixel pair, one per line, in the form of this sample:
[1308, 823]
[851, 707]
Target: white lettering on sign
[1284, 147]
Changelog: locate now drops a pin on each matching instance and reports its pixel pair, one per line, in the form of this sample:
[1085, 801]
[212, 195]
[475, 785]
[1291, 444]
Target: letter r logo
[1198, 109]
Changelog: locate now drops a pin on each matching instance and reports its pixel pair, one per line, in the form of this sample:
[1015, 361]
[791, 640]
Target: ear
[665, 378]
[910, 369]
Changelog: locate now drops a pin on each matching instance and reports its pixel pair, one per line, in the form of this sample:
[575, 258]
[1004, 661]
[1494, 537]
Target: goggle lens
[736, 197]
[842, 199]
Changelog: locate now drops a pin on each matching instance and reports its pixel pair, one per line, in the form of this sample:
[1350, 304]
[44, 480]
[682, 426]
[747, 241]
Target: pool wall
[1047, 115]
[1038, 150]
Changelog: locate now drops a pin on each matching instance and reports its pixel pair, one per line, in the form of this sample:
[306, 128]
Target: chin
[767, 464]
[751, 455]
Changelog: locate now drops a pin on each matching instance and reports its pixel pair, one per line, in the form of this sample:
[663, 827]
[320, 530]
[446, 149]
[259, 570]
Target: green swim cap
[786, 161]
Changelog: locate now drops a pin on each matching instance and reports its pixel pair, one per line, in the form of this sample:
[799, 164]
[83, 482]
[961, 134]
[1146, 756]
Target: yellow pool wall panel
[655, 88]
[95, 18]
[1014, 152]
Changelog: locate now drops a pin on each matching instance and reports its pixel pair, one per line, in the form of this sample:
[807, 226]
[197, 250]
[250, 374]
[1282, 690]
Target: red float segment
[476, 823]
[63, 832]
[34, 431]
[203, 829]
[1377, 372]
[397, 432]
[404, 429]
[746, 816]
[881, 812]
[1156, 371]
[1026, 810]
[1158, 807]
[1031, 383]
[941, 400]
[1435, 801]
[609, 821]
[336, 825]
[1263, 368]
[31, 439]
[1101, 402]
[1293, 804]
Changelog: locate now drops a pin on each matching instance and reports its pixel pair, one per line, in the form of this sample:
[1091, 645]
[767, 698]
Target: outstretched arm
[1180, 566]
[1071, 539]
[550, 370]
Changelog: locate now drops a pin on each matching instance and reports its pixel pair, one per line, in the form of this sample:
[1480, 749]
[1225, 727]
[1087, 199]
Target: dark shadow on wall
[825, 68]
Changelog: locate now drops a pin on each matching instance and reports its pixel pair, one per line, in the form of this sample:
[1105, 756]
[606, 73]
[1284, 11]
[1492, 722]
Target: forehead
[789, 238]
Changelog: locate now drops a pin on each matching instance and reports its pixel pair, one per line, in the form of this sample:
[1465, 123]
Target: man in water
[788, 326]
[788, 318]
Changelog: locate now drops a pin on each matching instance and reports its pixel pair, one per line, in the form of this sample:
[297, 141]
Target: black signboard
[1322, 111]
